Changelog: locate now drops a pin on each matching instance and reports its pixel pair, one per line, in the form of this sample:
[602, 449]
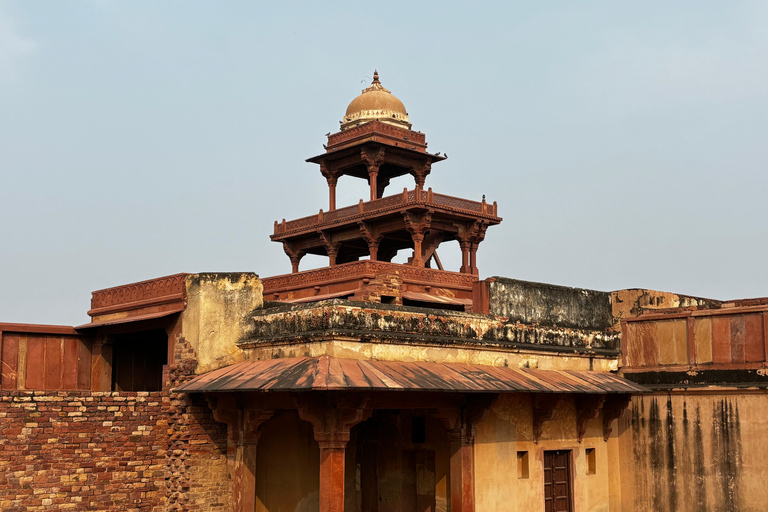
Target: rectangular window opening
[419, 429]
[591, 464]
[522, 464]
[138, 359]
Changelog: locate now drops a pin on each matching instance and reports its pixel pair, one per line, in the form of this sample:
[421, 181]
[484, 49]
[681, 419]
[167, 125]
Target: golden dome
[376, 103]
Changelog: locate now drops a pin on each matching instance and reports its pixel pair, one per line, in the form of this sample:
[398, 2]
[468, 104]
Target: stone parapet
[370, 322]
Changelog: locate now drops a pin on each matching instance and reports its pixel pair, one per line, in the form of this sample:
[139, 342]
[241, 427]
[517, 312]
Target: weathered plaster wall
[508, 429]
[218, 307]
[548, 304]
[695, 452]
[110, 452]
[356, 330]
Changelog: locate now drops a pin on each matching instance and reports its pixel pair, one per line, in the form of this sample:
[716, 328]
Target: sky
[626, 143]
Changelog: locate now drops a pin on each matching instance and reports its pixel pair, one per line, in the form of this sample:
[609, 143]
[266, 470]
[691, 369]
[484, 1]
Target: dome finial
[375, 78]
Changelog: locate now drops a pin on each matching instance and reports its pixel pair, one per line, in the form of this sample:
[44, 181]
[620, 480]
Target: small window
[419, 430]
[522, 464]
[591, 464]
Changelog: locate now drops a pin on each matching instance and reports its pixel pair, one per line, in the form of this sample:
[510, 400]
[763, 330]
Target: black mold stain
[657, 456]
[698, 464]
[726, 447]
[639, 450]
[687, 454]
[669, 427]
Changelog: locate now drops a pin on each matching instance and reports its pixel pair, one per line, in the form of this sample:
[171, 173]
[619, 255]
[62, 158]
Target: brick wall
[125, 451]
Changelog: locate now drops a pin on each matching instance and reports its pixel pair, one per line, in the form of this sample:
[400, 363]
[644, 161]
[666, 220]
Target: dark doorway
[557, 481]
[138, 359]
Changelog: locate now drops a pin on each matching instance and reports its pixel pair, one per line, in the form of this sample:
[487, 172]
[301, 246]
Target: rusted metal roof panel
[330, 373]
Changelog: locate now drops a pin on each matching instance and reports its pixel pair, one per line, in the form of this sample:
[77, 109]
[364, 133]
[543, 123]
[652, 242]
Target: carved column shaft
[243, 435]
[332, 177]
[461, 425]
[464, 257]
[331, 423]
[473, 260]
[373, 179]
[332, 194]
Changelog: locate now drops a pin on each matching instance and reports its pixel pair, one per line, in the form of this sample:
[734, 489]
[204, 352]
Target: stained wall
[695, 451]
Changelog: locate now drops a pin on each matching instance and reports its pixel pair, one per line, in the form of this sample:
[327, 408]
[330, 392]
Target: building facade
[369, 385]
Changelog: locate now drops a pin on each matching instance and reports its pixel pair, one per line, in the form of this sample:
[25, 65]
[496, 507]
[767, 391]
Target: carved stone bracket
[417, 225]
[331, 247]
[332, 417]
[243, 423]
[372, 157]
[332, 177]
[613, 408]
[543, 410]
[587, 408]
[373, 160]
[470, 237]
[420, 172]
[294, 254]
[372, 237]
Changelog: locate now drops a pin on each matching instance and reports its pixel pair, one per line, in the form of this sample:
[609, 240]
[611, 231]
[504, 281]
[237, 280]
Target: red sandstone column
[468, 472]
[456, 472]
[244, 481]
[461, 427]
[373, 174]
[464, 257]
[331, 423]
[331, 194]
[243, 429]
[473, 260]
[418, 260]
[332, 454]
[462, 469]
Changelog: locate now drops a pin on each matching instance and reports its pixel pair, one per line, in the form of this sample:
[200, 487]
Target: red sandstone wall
[701, 337]
[110, 451]
[44, 357]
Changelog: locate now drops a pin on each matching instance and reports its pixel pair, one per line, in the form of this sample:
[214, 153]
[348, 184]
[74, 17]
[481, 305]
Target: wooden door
[557, 481]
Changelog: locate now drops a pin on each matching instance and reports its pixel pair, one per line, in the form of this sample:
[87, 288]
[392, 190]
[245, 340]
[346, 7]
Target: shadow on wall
[287, 465]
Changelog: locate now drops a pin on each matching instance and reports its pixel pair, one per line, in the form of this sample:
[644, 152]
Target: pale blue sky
[625, 142]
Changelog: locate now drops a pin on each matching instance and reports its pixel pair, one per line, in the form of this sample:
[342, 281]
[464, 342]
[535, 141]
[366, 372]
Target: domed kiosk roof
[376, 103]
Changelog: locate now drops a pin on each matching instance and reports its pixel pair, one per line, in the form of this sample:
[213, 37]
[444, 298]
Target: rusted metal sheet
[330, 373]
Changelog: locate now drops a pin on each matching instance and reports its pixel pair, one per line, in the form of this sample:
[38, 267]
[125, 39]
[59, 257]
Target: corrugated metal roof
[330, 373]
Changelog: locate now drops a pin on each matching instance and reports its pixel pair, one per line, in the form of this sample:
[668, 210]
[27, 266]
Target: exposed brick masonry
[125, 451]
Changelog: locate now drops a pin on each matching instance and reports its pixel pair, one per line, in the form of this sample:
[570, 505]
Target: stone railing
[366, 268]
[375, 127]
[154, 290]
[394, 202]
